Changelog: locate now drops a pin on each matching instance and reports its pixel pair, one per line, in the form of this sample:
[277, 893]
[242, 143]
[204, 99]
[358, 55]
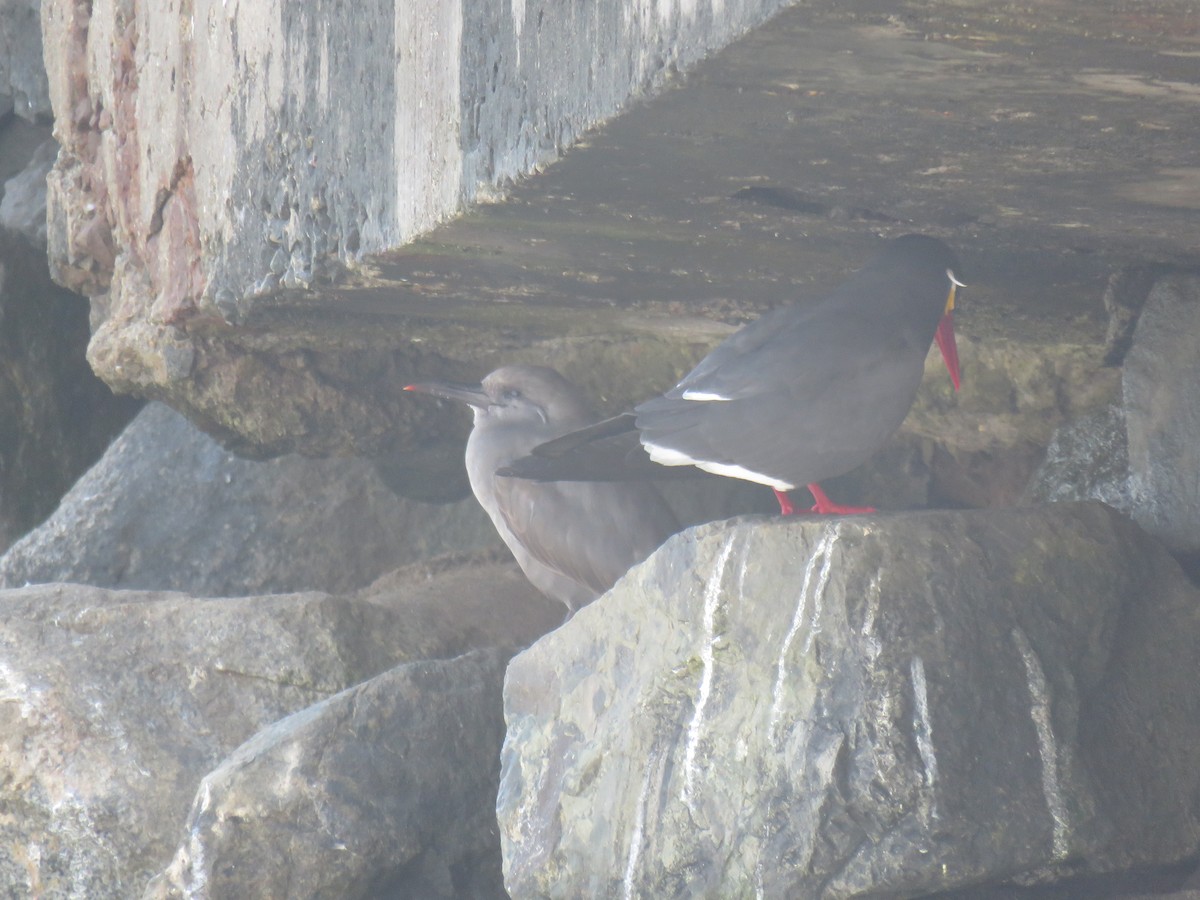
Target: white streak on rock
[639, 824]
[745, 563]
[923, 726]
[1035, 677]
[760, 890]
[15, 689]
[191, 867]
[824, 555]
[814, 628]
[874, 645]
[712, 596]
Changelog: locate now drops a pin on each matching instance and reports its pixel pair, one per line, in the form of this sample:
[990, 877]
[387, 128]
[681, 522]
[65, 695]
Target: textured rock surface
[113, 705]
[1086, 460]
[23, 87]
[167, 508]
[323, 167]
[23, 207]
[387, 789]
[1162, 413]
[56, 417]
[900, 703]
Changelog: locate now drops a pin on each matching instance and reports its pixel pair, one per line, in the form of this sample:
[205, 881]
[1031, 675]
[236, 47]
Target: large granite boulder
[384, 790]
[893, 704]
[117, 703]
[167, 508]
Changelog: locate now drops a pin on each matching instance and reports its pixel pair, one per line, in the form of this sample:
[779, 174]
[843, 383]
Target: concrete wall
[218, 149]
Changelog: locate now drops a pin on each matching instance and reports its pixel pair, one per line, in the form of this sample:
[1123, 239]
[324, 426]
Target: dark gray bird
[573, 540]
[804, 393]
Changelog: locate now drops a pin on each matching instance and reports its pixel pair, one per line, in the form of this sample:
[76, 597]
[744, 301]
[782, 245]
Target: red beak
[944, 336]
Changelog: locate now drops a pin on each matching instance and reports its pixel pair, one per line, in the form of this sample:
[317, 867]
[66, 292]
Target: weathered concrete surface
[213, 152]
[1049, 144]
[882, 705]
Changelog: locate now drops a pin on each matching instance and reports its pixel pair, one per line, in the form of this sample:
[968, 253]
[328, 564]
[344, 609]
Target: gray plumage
[573, 540]
[804, 393]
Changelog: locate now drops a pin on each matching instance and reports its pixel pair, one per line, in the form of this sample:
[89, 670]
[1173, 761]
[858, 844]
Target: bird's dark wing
[607, 451]
[605, 428]
[821, 390]
[786, 348]
[719, 373]
[590, 532]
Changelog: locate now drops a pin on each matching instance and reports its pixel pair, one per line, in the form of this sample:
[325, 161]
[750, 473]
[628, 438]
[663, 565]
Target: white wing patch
[704, 396]
[669, 456]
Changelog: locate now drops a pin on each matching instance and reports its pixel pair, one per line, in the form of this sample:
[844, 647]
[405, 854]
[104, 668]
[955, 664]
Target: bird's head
[922, 259]
[533, 396]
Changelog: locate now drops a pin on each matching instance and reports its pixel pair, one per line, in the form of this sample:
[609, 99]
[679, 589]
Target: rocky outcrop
[873, 705]
[167, 508]
[384, 790]
[117, 704]
[1140, 455]
[1087, 459]
[897, 703]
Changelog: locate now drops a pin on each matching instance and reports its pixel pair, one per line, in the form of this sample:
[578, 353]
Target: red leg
[826, 507]
[785, 503]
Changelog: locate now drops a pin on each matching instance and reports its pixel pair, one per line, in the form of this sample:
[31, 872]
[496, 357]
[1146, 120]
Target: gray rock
[387, 789]
[23, 208]
[22, 73]
[1162, 412]
[1124, 296]
[114, 706]
[167, 508]
[892, 704]
[117, 703]
[1087, 459]
[56, 417]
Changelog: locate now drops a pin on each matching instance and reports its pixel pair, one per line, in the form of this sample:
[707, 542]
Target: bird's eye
[510, 394]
